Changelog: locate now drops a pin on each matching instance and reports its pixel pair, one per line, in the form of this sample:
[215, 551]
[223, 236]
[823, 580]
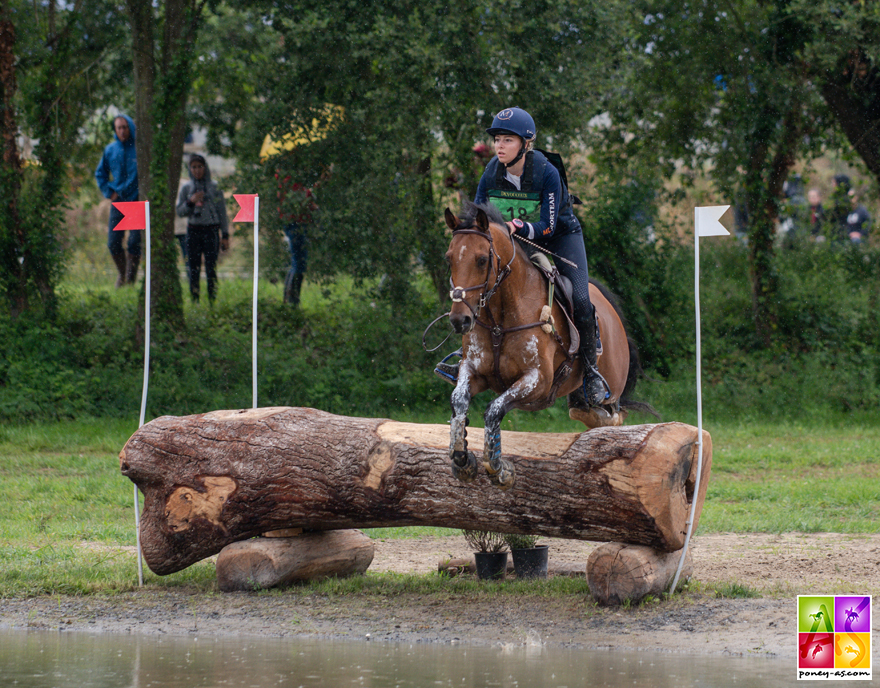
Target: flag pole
[256, 289]
[137, 515]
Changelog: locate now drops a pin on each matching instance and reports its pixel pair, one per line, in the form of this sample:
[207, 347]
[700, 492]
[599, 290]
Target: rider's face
[507, 147]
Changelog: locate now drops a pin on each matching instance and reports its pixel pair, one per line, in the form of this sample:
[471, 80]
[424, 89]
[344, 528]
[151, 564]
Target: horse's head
[474, 263]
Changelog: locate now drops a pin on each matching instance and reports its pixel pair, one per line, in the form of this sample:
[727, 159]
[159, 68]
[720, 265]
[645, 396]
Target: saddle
[560, 289]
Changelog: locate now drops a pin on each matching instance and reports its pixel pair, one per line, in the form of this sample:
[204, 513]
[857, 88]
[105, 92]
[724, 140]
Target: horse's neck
[510, 305]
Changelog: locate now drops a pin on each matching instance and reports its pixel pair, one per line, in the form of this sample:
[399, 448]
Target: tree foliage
[417, 85]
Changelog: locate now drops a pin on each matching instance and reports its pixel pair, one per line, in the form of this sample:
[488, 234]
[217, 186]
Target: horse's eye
[447, 259]
[481, 261]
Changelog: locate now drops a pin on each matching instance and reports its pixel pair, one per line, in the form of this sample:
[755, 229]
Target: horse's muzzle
[462, 323]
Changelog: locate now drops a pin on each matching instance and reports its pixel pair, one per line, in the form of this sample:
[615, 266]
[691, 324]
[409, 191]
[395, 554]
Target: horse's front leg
[501, 472]
[464, 463]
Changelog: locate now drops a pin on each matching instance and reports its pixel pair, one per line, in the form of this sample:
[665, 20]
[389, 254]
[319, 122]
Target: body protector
[542, 201]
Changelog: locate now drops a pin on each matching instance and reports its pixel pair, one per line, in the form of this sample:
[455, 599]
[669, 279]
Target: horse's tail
[635, 367]
[633, 374]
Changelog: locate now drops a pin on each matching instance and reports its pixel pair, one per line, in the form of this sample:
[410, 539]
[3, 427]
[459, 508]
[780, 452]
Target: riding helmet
[513, 121]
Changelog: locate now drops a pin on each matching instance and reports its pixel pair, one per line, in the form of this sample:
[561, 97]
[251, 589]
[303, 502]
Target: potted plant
[489, 555]
[529, 558]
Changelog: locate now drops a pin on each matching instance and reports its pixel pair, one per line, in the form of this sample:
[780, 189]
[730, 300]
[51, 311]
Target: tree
[721, 87]
[842, 57]
[163, 38]
[417, 85]
[48, 52]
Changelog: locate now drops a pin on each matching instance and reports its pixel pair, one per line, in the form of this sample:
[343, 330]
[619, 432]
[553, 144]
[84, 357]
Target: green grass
[67, 523]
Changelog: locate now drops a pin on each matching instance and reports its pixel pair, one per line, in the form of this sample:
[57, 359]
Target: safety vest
[525, 203]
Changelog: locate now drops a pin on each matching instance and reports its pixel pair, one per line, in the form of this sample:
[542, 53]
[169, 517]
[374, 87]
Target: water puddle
[31, 659]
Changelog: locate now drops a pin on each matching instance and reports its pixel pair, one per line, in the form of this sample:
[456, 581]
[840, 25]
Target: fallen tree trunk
[216, 478]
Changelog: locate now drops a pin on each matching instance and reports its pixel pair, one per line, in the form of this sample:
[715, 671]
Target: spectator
[858, 221]
[180, 224]
[840, 207]
[117, 177]
[296, 208]
[816, 215]
[202, 203]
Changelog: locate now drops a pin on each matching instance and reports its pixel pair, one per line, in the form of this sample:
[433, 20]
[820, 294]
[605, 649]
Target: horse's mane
[468, 214]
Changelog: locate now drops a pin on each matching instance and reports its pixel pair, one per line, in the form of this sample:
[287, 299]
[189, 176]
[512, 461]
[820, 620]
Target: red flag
[246, 201]
[134, 215]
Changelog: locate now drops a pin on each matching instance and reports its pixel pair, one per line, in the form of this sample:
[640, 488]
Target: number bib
[513, 205]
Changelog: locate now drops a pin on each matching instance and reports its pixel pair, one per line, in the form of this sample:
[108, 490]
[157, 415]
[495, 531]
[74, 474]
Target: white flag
[706, 220]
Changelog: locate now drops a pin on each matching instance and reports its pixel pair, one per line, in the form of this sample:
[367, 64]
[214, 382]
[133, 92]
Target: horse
[520, 346]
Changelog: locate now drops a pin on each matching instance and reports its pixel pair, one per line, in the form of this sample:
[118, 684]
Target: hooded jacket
[117, 170]
[212, 212]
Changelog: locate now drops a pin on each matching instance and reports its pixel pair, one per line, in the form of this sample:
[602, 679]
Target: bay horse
[509, 345]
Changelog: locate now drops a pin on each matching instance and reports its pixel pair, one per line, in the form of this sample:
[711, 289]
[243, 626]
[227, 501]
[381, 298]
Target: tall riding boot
[596, 390]
[119, 260]
[131, 269]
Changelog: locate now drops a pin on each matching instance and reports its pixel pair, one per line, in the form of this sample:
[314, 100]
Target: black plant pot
[531, 563]
[491, 565]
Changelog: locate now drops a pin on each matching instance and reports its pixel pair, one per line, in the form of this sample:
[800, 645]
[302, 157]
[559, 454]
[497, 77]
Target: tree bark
[162, 83]
[15, 254]
[212, 479]
[859, 123]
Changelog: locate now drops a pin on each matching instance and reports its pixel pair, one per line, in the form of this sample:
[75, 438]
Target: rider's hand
[514, 225]
[224, 244]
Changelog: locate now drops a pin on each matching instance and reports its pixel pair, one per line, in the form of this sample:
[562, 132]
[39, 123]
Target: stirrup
[448, 371]
[591, 376]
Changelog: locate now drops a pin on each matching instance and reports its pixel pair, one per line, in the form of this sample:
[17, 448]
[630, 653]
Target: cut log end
[618, 573]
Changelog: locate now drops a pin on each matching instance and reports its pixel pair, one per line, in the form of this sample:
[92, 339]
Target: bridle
[457, 294]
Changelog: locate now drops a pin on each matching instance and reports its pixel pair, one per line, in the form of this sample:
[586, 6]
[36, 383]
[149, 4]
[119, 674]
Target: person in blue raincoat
[527, 189]
[117, 177]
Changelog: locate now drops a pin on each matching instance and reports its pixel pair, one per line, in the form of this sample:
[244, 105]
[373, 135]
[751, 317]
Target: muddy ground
[779, 567]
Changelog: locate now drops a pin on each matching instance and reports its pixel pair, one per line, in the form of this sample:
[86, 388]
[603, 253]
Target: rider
[526, 187]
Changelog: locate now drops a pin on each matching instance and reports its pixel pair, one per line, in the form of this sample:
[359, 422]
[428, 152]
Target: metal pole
[137, 514]
[256, 288]
[690, 522]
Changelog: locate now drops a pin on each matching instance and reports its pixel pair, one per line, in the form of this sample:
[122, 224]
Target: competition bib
[522, 205]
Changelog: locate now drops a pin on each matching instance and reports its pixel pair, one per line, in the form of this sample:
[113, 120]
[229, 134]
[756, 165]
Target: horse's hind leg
[464, 463]
[501, 472]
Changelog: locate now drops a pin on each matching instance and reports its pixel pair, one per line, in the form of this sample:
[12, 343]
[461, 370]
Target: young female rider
[526, 187]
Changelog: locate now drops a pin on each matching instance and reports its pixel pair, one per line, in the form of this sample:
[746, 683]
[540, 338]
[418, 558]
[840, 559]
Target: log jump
[212, 479]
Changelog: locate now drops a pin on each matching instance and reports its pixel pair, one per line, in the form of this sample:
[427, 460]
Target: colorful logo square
[852, 614]
[815, 650]
[852, 650]
[816, 614]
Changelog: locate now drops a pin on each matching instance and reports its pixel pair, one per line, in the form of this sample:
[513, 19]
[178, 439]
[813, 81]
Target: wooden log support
[617, 572]
[216, 478]
[269, 562]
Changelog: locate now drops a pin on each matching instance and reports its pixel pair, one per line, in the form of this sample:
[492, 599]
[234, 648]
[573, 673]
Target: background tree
[417, 86]
[721, 87]
[163, 40]
[57, 65]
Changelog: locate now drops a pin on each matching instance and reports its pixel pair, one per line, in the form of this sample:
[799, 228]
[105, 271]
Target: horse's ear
[451, 219]
[482, 221]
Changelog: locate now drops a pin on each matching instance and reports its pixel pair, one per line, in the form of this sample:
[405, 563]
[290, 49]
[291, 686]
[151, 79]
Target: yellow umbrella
[319, 130]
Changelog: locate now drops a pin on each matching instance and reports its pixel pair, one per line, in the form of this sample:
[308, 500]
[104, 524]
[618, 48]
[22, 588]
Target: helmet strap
[522, 152]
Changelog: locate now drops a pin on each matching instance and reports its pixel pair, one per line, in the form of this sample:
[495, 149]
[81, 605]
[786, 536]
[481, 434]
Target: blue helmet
[513, 121]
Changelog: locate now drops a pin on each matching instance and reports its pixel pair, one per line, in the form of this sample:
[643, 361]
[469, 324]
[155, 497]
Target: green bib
[513, 205]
